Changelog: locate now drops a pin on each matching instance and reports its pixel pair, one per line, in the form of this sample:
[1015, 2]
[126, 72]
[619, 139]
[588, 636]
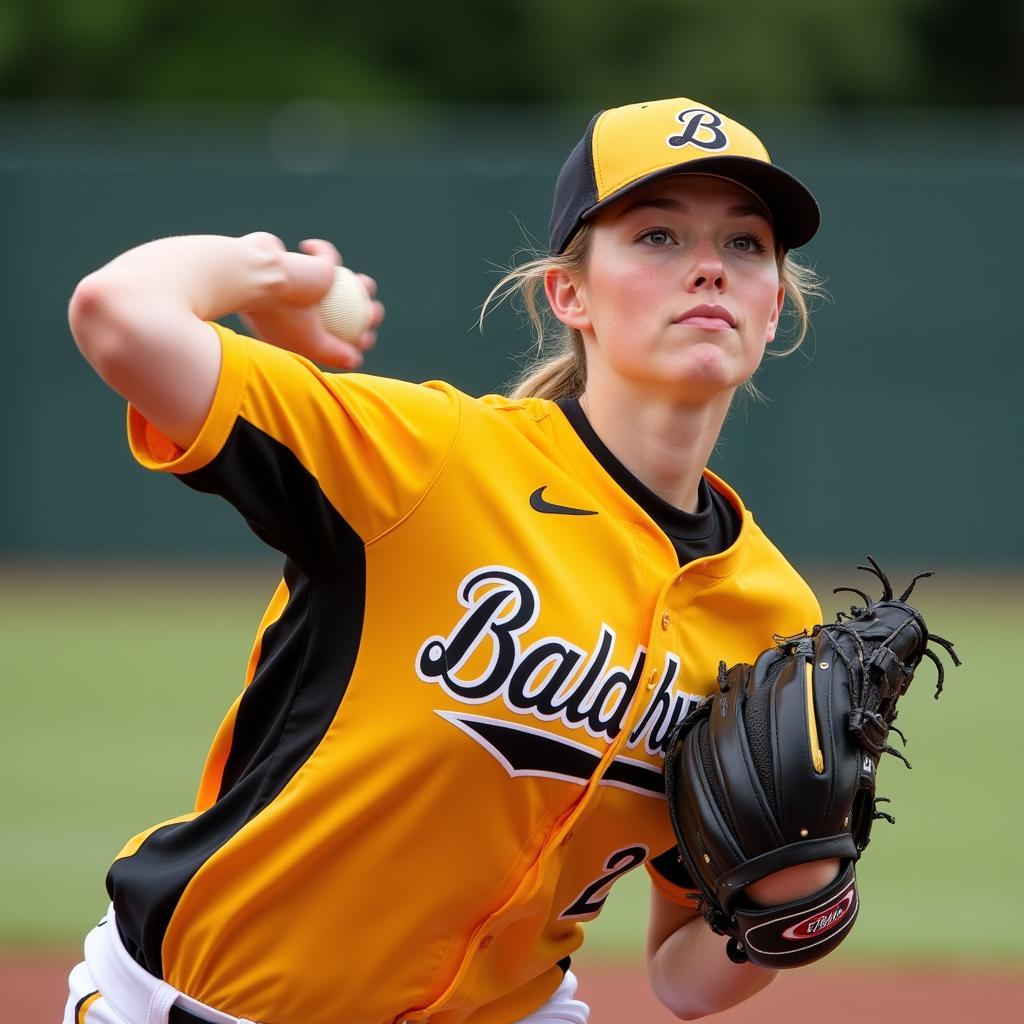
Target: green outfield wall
[897, 431]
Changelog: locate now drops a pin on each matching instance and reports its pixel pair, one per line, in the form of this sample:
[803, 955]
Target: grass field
[113, 683]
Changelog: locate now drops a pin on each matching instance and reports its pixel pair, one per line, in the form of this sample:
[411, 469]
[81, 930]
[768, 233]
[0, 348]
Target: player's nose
[706, 268]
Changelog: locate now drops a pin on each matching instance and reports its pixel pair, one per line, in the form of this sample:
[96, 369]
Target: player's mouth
[715, 318]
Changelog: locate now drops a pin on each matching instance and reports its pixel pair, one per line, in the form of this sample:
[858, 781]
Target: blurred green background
[425, 143]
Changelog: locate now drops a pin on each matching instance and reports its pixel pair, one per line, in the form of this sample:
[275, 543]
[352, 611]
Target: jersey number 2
[591, 900]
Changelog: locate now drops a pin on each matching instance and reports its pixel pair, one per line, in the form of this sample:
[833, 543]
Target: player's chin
[706, 371]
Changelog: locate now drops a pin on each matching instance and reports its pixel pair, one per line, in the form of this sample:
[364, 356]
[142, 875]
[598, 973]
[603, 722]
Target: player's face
[681, 291]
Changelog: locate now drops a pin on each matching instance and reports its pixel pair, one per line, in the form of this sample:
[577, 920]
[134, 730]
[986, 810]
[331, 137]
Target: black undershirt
[711, 529]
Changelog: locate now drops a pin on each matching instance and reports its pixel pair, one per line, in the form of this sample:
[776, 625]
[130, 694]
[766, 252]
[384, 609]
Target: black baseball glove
[778, 769]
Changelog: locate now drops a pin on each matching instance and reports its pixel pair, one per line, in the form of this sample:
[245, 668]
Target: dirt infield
[815, 995]
[34, 989]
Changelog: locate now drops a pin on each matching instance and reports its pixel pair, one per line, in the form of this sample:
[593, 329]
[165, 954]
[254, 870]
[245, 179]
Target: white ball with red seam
[347, 308]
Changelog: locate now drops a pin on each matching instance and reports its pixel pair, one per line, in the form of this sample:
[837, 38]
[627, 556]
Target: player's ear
[567, 299]
[773, 322]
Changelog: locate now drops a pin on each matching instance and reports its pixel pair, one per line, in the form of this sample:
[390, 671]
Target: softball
[346, 309]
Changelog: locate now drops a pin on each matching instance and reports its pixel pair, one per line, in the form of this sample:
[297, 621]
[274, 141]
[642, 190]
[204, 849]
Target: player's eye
[657, 237]
[747, 243]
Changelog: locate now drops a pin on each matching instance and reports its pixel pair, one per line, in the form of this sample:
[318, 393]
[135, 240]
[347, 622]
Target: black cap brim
[796, 216]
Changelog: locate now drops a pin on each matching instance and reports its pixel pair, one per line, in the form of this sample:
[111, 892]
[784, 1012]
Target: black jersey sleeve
[670, 876]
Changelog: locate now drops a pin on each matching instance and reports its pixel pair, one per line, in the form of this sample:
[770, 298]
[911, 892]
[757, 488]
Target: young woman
[493, 610]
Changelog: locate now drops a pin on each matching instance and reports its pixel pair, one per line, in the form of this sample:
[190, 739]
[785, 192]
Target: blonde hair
[559, 367]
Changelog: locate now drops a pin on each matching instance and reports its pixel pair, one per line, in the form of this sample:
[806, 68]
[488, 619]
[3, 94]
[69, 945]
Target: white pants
[109, 987]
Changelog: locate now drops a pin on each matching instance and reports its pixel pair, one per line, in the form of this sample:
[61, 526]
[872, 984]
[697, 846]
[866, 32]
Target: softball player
[450, 741]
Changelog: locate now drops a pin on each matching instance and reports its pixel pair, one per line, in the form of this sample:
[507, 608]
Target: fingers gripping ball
[778, 769]
[346, 310]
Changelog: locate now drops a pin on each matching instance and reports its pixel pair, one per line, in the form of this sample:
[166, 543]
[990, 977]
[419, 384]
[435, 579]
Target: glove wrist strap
[803, 931]
[738, 878]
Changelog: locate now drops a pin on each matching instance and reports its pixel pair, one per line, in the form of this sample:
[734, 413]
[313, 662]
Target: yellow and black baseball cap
[626, 147]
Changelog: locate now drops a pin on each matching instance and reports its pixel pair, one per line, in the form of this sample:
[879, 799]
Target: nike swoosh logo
[538, 504]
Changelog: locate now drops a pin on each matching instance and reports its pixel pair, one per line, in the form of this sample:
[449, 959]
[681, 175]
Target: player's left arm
[687, 964]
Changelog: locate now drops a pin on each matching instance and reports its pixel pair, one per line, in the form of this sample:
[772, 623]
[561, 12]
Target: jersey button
[665, 620]
[486, 941]
[653, 681]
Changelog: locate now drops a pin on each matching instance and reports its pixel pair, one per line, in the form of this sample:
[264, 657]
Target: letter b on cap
[701, 128]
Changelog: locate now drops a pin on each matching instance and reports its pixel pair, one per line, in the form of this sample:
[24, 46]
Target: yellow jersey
[450, 741]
